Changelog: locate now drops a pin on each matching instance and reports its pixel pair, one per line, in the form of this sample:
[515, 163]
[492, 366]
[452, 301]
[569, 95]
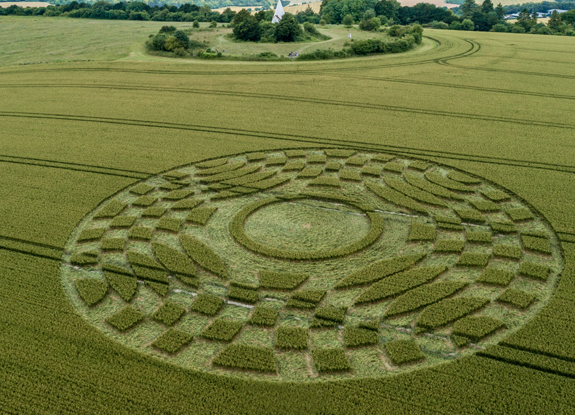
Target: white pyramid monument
[278, 14]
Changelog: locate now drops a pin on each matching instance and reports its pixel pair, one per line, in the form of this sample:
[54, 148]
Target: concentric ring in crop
[311, 264]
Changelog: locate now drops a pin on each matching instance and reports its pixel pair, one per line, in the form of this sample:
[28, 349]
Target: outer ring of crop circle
[238, 232]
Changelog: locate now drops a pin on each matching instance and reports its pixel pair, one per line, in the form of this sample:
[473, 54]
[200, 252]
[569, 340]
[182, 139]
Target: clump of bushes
[169, 39]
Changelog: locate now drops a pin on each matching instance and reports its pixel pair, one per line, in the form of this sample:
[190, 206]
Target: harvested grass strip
[449, 246]
[495, 276]
[431, 187]
[281, 280]
[477, 327]
[211, 163]
[447, 183]
[243, 356]
[414, 192]
[142, 189]
[113, 208]
[503, 227]
[331, 360]
[421, 232]
[470, 215]
[169, 313]
[154, 212]
[394, 167]
[91, 234]
[122, 221]
[339, 152]
[485, 205]
[496, 195]
[395, 197]
[316, 158]
[186, 204]
[221, 169]
[144, 201]
[419, 165]
[533, 270]
[400, 283]
[379, 270]
[359, 337]
[264, 316]
[519, 214]
[325, 181]
[124, 285]
[507, 251]
[447, 311]
[533, 243]
[295, 338]
[222, 330]
[169, 224]
[462, 177]
[172, 341]
[125, 319]
[403, 351]
[203, 255]
[423, 296]
[472, 259]
[92, 291]
[113, 244]
[516, 298]
[333, 166]
[207, 304]
[349, 174]
[479, 237]
[141, 233]
[357, 160]
[294, 165]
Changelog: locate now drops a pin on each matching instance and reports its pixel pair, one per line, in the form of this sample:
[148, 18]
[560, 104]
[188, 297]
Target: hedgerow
[222, 330]
[92, 291]
[172, 341]
[517, 298]
[295, 338]
[531, 269]
[349, 174]
[394, 166]
[431, 187]
[470, 215]
[449, 245]
[330, 360]
[91, 234]
[207, 304]
[503, 227]
[243, 356]
[395, 197]
[113, 244]
[122, 221]
[309, 172]
[462, 177]
[534, 243]
[336, 314]
[203, 255]
[519, 214]
[507, 251]
[169, 313]
[179, 264]
[358, 337]
[421, 232]
[479, 237]
[294, 165]
[142, 189]
[221, 169]
[414, 192]
[145, 201]
[400, 283]
[496, 276]
[316, 158]
[403, 351]
[126, 318]
[485, 205]
[477, 327]
[423, 296]
[449, 310]
[186, 204]
[325, 181]
[472, 259]
[496, 195]
[113, 208]
[264, 316]
[281, 280]
[379, 270]
[241, 293]
[276, 160]
[447, 183]
[124, 285]
[154, 212]
[141, 233]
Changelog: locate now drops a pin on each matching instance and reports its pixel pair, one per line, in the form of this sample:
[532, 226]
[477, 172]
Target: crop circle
[312, 264]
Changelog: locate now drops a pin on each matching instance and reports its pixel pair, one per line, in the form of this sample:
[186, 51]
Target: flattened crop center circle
[237, 228]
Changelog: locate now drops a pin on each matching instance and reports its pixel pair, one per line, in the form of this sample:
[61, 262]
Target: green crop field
[386, 235]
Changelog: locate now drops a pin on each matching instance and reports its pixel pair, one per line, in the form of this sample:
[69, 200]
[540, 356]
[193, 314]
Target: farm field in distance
[455, 158]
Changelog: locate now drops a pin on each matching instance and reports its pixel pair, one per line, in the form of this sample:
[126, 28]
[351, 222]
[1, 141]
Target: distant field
[24, 4]
[392, 234]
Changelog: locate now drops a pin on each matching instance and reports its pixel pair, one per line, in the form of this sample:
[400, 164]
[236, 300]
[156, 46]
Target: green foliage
[403, 351]
[142, 189]
[336, 314]
[358, 337]
[310, 172]
[379, 270]
[331, 360]
[325, 181]
[147, 268]
[288, 29]
[413, 192]
[395, 197]
[153, 212]
[113, 244]
[124, 285]
[113, 208]
[534, 270]
[295, 338]
[479, 237]
[449, 245]
[496, 195]
[460, 341]
[503, 226]
[400, 283]
[172, 341]
[470, 215]
[141, 233]
[516, 298]
[92, 291]
[207, 304]
[281, 280]
[264, 316]
[203, 255]
[179, 264]
[126, 318]
[169, 313]
[519, 214]
[145, 201]
[91, 234]
[347, 20]
[83, 258]
[449, 310]
[169, 224]
[423, 296]
[123, 222]
[310, 297]
[242, 356]
[368, 170]
[496, 276]
[485, 205]
[370, 25]
[243, 294]
[294, 165]
[507, 251]
[534, 243]
[222, 330]
[477, 327]
[349, 174]
[472, 259]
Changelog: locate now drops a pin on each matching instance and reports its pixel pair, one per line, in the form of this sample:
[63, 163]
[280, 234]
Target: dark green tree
[487, 7]
[554, 21]
[246, 27]
[387, 8]
[288, 29]
[500, 11]
[468, 8]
